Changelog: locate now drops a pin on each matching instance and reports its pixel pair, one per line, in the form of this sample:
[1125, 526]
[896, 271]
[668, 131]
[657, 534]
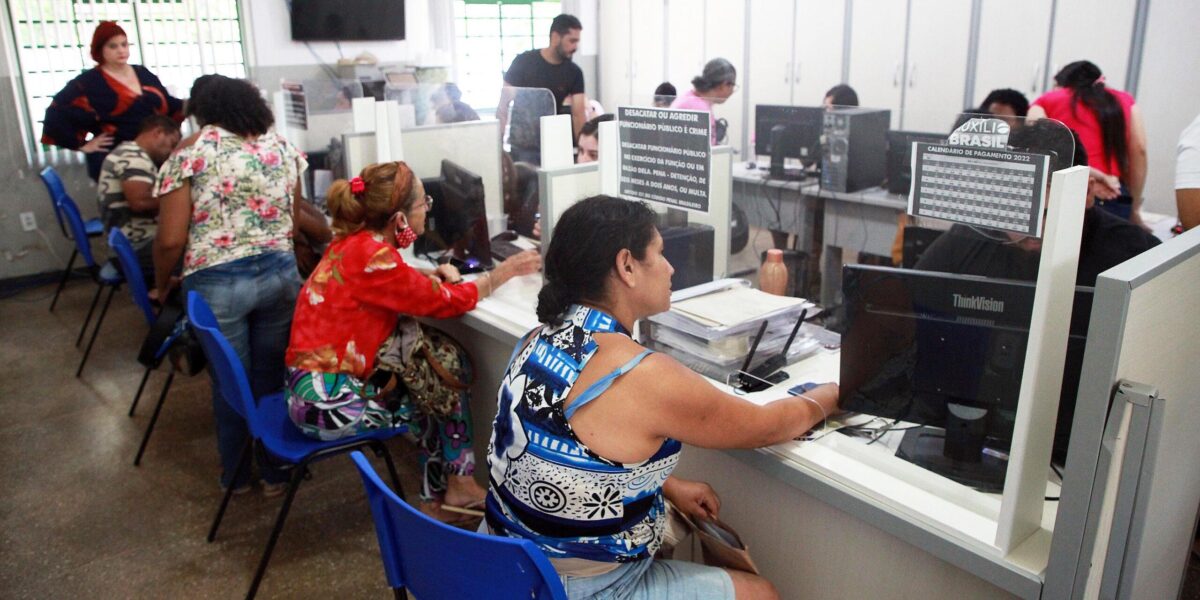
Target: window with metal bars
[178, 40]
[481, 27]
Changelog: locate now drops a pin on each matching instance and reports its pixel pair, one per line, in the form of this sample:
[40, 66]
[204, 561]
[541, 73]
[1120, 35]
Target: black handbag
[171, 336]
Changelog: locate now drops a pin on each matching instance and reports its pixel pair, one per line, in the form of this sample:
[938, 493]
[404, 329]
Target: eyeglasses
[428, 203]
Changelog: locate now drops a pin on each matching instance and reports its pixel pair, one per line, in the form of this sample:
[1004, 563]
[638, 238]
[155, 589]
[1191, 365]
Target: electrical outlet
[28, 221]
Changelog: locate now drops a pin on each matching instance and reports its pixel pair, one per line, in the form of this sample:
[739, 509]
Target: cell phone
[803, 388]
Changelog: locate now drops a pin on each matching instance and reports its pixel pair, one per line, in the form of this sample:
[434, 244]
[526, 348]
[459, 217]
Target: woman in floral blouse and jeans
[228, 198]
[358, 360]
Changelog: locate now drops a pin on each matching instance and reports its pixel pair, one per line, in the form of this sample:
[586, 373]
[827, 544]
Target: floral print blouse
[242, 193]
[353, 300]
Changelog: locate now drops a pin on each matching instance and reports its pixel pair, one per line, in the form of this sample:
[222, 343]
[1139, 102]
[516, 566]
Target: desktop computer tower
[689, 249]
[854, 154]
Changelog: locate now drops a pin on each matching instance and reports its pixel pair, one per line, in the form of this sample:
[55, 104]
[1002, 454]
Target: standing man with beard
[547, 68]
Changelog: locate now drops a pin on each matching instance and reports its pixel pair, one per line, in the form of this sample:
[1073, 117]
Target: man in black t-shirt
[548, 68]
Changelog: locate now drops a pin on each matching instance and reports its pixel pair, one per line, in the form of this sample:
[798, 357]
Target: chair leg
[242, 464]
[62, 283]
[141, 386]
[96, 331]
[297, 478]
[88, 319]
[400, 593]
[137, 461]
[381, 450]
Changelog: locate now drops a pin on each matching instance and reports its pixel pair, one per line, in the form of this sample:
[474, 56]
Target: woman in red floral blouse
[357, 353]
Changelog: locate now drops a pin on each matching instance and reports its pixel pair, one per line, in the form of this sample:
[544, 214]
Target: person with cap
[109, 101]
[714, 86]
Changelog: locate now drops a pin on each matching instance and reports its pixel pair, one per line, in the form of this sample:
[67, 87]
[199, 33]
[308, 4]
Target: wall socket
[28, 221]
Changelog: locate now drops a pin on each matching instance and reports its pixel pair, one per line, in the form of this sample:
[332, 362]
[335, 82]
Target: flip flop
[471, 509]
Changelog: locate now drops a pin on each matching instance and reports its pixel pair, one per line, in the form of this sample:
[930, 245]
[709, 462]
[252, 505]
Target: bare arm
[1035, 112]
[174, 218]
[1187, 201]
[1136, 178]
[707, 417]
[307, 220]
[578, 114]
[140, 196]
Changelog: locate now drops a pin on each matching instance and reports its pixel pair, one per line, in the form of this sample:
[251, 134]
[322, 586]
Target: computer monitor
[456, 225]
[946, 352]
[899, 157]
[783, 132]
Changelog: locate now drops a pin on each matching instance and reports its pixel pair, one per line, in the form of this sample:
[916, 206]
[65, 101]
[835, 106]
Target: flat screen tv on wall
[341, 20]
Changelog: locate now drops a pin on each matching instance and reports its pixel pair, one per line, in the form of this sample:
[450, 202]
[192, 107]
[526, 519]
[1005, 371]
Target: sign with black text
[665, 156]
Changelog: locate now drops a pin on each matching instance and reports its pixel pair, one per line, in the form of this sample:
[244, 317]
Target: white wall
[269, 37]
[1168, 92]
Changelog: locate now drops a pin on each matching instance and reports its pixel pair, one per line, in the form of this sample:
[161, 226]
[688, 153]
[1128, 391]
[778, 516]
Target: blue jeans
[253, 299]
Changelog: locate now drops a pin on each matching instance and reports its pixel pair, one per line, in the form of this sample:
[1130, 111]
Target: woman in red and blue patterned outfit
[109, 101]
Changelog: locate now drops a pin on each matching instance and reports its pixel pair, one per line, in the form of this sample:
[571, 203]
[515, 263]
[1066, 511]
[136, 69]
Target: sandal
[471, 509]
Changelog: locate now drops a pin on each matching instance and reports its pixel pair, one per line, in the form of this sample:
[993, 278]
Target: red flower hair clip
[358, 186]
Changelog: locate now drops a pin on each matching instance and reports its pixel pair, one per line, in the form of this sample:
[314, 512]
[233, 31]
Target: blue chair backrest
[133, 272]
[70, 213]
[227, 367]
[57, 190]
[434, 560]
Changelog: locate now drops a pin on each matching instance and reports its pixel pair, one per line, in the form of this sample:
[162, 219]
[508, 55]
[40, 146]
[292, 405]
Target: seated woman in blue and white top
[590, 424]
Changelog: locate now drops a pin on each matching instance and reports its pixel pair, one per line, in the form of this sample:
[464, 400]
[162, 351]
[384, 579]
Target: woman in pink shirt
[1110, 126]
[714, 86]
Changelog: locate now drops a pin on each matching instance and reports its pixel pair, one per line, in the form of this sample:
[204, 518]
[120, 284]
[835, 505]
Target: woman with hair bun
[714, 85]
[358, 359]
[590, 424]
[1110, 125]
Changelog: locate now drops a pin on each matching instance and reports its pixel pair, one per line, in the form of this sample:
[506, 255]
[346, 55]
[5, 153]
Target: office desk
[862, 221]
[833, 517]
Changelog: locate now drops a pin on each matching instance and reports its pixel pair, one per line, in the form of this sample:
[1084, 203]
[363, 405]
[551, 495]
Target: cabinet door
[615, 67]
[1012, 47]
[1097, 30]
[725, 37]
[938, 36]
[769, 80]
[647, 51]
[877, 31]
[685, 38]
[818, 63]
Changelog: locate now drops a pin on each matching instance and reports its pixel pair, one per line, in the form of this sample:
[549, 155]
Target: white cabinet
[795, 52]
[685, 40]
[877, 53]
[936, 70]
[1097, 30]
[615, 67]
[817, 62]
[646, 50]
[1012, 47]
[725, 37]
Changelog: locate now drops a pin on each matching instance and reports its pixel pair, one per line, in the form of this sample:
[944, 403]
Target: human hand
[695, 499]
[98, 143]
[522, 263]
[537, 229]
[448, 273]
[1103, 185]
[160, 294]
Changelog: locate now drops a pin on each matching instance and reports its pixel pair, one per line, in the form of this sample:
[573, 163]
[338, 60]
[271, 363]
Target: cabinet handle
[1037, 72]
[912, 76]
[787, 73]
[796, 72]
[896, 76]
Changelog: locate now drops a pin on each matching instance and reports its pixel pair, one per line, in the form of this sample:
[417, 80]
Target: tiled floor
[77, 519]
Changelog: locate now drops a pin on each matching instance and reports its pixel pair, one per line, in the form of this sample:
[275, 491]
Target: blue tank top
[547, 485]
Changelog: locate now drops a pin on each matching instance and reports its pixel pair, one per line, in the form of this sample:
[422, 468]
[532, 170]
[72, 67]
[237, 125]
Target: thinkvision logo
[978, 303]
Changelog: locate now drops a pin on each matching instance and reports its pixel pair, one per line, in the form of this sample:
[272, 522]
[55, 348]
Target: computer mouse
[506, 236]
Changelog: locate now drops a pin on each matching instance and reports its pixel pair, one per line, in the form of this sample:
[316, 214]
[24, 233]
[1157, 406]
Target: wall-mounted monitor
[341, 20]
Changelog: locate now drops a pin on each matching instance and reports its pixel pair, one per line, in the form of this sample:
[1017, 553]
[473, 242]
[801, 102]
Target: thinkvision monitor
[947, 351]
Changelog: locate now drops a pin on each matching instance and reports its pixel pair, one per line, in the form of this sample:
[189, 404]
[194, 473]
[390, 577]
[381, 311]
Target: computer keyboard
[502, 249]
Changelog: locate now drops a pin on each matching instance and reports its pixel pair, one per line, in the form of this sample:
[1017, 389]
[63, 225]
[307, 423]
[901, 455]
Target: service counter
[834, 516]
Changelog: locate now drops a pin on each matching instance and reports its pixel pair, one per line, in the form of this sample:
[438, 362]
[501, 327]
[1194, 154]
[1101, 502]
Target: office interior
[1098, 501]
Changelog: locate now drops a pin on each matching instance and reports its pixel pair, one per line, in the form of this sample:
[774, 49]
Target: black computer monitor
[783, 132]
[947, 352]
[899, 157]
[456, 226]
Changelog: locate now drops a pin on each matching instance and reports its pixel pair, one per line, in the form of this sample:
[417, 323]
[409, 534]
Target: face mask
[405, 236]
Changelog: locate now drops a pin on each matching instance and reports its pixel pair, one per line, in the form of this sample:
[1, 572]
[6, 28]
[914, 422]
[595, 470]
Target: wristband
[824, 415]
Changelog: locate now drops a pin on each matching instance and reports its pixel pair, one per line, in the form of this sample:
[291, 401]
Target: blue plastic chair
[270, 426]
[104, 276]
[92, 227]
[434, 560]
[132, 270]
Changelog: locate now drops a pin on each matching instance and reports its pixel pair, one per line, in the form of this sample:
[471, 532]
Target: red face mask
[405, 236]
